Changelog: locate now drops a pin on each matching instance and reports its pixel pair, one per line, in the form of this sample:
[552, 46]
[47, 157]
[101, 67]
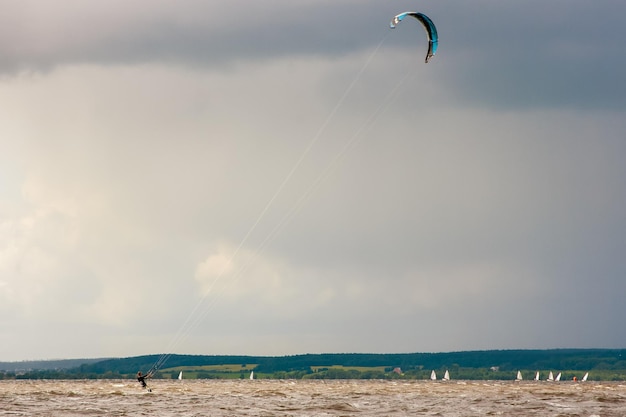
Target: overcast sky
[282, 177]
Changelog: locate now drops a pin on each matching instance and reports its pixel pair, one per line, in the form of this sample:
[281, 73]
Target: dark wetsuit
[142, 379]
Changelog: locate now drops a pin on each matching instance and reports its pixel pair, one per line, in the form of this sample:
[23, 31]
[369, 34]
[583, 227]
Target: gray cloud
[556, 54]
[546, 54]
[482, 206]
[195, 32]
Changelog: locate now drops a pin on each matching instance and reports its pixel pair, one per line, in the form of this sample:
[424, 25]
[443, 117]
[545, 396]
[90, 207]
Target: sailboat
[550, 377]
[519, 376]
[433, 376]
[585, 377]
[180, 375]
[537, 376]
[251, 374]
[446, 376]
[558, 377]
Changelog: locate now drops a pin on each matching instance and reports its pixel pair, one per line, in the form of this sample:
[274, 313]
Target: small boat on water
[550, 377]
[433, 376]
[519, 376]
[585, 377]
[446, 376]
[180, 375]
[537, 376]
[251, 374]
[558, 377]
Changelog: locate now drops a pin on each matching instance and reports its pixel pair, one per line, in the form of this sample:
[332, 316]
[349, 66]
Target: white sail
[446, 376]
[433, 375]
[519, 376]
[251, 374]
[537, 376]
[558, 377]
[585, 377]
[180, 375]
[550, 377]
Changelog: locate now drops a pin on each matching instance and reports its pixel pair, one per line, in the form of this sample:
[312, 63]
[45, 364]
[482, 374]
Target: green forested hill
[491, 364]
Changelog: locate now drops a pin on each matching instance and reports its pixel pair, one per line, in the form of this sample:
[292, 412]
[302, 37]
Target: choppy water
[311, 398]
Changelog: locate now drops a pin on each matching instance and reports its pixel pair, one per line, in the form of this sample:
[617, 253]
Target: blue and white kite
[429, 26]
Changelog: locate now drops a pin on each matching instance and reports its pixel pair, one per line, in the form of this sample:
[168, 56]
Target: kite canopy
[429, 26]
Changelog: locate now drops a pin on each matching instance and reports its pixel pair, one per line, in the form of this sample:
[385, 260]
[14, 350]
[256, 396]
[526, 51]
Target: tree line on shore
[603, 364]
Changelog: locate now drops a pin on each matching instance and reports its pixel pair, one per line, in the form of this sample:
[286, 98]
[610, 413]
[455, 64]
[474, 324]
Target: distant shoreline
[601, 364]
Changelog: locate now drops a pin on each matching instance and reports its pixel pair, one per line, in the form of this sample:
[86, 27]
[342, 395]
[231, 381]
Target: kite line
[194, 319]
[196, 316]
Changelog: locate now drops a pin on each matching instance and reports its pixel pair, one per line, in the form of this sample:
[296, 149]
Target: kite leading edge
[429, 26]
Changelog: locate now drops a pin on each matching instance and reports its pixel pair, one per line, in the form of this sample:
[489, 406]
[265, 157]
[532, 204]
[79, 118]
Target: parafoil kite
[429, 26]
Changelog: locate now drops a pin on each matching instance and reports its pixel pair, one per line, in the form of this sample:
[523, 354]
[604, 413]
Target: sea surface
[311, 398]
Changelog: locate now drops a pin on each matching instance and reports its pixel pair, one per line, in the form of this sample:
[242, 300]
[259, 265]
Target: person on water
[142, 378]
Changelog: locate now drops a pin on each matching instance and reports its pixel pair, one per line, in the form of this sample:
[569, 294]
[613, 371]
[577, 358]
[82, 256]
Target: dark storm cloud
[535, 53]
[551, 54]
[196, 32]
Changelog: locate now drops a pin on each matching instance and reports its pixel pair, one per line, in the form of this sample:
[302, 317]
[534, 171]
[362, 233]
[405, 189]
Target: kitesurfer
[142, 378]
